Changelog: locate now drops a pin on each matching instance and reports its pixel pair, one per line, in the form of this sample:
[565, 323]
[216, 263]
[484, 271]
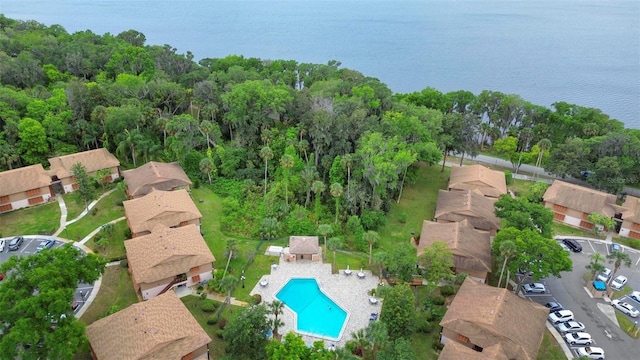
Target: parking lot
[571, 293]
[28, 247]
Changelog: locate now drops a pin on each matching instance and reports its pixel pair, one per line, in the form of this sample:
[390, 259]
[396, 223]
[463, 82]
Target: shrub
[94, 211]
[422, 323]
[372, 220]
[220, 334]
[212, 320]
[437, 345]
[208, 306]
[447, 290]
[119, 202]
[438, 313]
[203, 295]
[124, 263]
[403, 218]
[196, 183]
[438, 300]
[508, 177]
[257, 299]
[460, 279]
[222, 323]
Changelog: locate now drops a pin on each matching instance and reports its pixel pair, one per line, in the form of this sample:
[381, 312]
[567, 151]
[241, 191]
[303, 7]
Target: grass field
[116, 293]
[114, 249]
[41, 219]
[74, 206]
[106, 210]
[550, 349]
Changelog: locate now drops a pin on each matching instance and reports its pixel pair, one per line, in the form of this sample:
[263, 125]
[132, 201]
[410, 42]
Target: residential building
[23, 187]
[493, 322]
[489, 182]
[630, 221]
[161, 328]
[167, 258]
[155, 175]
[572, 204]
[93, 160]
[471, 248]
[170, 208]
[472, 205]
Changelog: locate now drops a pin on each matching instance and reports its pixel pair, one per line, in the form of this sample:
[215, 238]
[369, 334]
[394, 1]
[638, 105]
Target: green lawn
[562, 229]
[550, 349]
[116, 293]
[627, 325]
[114, 249]
[74, 206]
[106, 210]
[41, 219]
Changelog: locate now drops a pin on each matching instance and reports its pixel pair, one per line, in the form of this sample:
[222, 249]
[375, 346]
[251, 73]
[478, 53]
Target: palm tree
[371, 237]
[131, 140]
[336, 191]
[325, 230]
[507, 251]
[318, 188]
[543, 145]
[227, 284]
[286, 161]
[333, 245]
[266, 154]
[276, 307]
[617, 258]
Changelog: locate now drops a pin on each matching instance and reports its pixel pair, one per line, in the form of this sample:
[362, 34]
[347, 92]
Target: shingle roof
[455, 351]
[160, 328]
[22, 179]
[490, 182]
[303, 245]
[160, 207]
[490, 316]
[581, 198]
[471, 248]
[471, 204]
[155, 175]
[93, 160]
[632, 209]
[166, 252]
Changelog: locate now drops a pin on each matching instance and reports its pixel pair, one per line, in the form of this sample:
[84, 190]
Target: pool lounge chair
[348, 271]
[373, 317]
[264, 282]
[361, 274]
[373, 300]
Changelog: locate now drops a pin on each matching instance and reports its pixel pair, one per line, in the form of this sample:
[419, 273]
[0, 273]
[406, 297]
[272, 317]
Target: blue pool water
[316, 313]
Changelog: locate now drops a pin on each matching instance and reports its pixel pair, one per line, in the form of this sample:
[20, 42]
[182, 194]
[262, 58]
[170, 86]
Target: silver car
[579, 338]
[625, 308]
[591, 352]
[534, 288]
[570, 326]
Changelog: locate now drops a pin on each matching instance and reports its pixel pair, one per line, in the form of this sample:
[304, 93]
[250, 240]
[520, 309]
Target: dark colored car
[573, 245]
[553, 306]
[46, 244]
[15, 243]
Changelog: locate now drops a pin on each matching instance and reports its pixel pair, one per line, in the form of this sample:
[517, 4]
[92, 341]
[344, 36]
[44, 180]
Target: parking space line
[591, 245]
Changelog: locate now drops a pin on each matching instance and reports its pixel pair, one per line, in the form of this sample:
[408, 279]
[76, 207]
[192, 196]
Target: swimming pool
[315, 313]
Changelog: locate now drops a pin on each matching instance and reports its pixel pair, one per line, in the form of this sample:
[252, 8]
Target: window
[560, 208]
[184, 223]
[194, 269]
[635, 226]
[4, 199]
[586, 225]
[36, 200]
[33, 192]
[463, 338]
[559, 217]
[75, 186]
[196, 279]
[189, 356]
[4, 208]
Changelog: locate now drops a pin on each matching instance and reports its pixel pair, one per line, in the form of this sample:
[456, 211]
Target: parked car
[2, 244]
[635, 295]
[619, 282]
[591, 352]
[564, 247]
[75, 305]
[625, 308]
[554, 306]
[46, 244]
[1, 276]
[614, 247]
[604, 275]
[15, 243]
[536, 288]
[570, 326]
[573, 245]
[560, 316]
[579, 338]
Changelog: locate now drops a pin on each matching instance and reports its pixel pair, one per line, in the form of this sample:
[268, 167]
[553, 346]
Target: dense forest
[291, 144]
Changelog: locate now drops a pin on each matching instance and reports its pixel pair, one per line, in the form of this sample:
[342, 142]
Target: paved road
[570, 292]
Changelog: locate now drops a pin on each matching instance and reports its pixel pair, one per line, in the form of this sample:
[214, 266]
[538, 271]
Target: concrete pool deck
[348, 291]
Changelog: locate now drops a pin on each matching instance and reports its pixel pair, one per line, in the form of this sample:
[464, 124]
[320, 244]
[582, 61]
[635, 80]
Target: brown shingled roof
[471, 248]
[631, 209]
[582, 199]
[93, 160]
[166, 252]
[455, 351]
[160, 207]
[160, 328]
[471, 204]
[303, 245]
[490, 316]
[22, 179]
[490, 182]
[155, 175]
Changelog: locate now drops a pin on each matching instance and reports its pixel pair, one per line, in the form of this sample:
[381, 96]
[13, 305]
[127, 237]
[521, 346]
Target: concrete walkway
[63, 211]
[183, 291]
[97, 230]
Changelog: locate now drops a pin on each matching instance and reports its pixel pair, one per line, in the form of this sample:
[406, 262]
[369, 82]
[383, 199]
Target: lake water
[581, 52]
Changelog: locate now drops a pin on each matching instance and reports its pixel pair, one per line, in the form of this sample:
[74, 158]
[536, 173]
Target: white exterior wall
[624, 232]
[68, 188]
[115, 176]
[572, 221]
[25, 202]
[204, 276]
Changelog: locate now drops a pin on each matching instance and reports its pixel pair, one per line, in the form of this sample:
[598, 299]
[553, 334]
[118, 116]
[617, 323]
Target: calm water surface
[582, 52]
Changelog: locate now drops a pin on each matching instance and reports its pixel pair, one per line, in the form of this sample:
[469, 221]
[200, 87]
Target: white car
[534, 288]
[604, 275]
[635, 295]
[591, 352]
[625, 308]
[579, 338]
[570, 326]
[619, 282]
[1, 245]
[560, 316]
